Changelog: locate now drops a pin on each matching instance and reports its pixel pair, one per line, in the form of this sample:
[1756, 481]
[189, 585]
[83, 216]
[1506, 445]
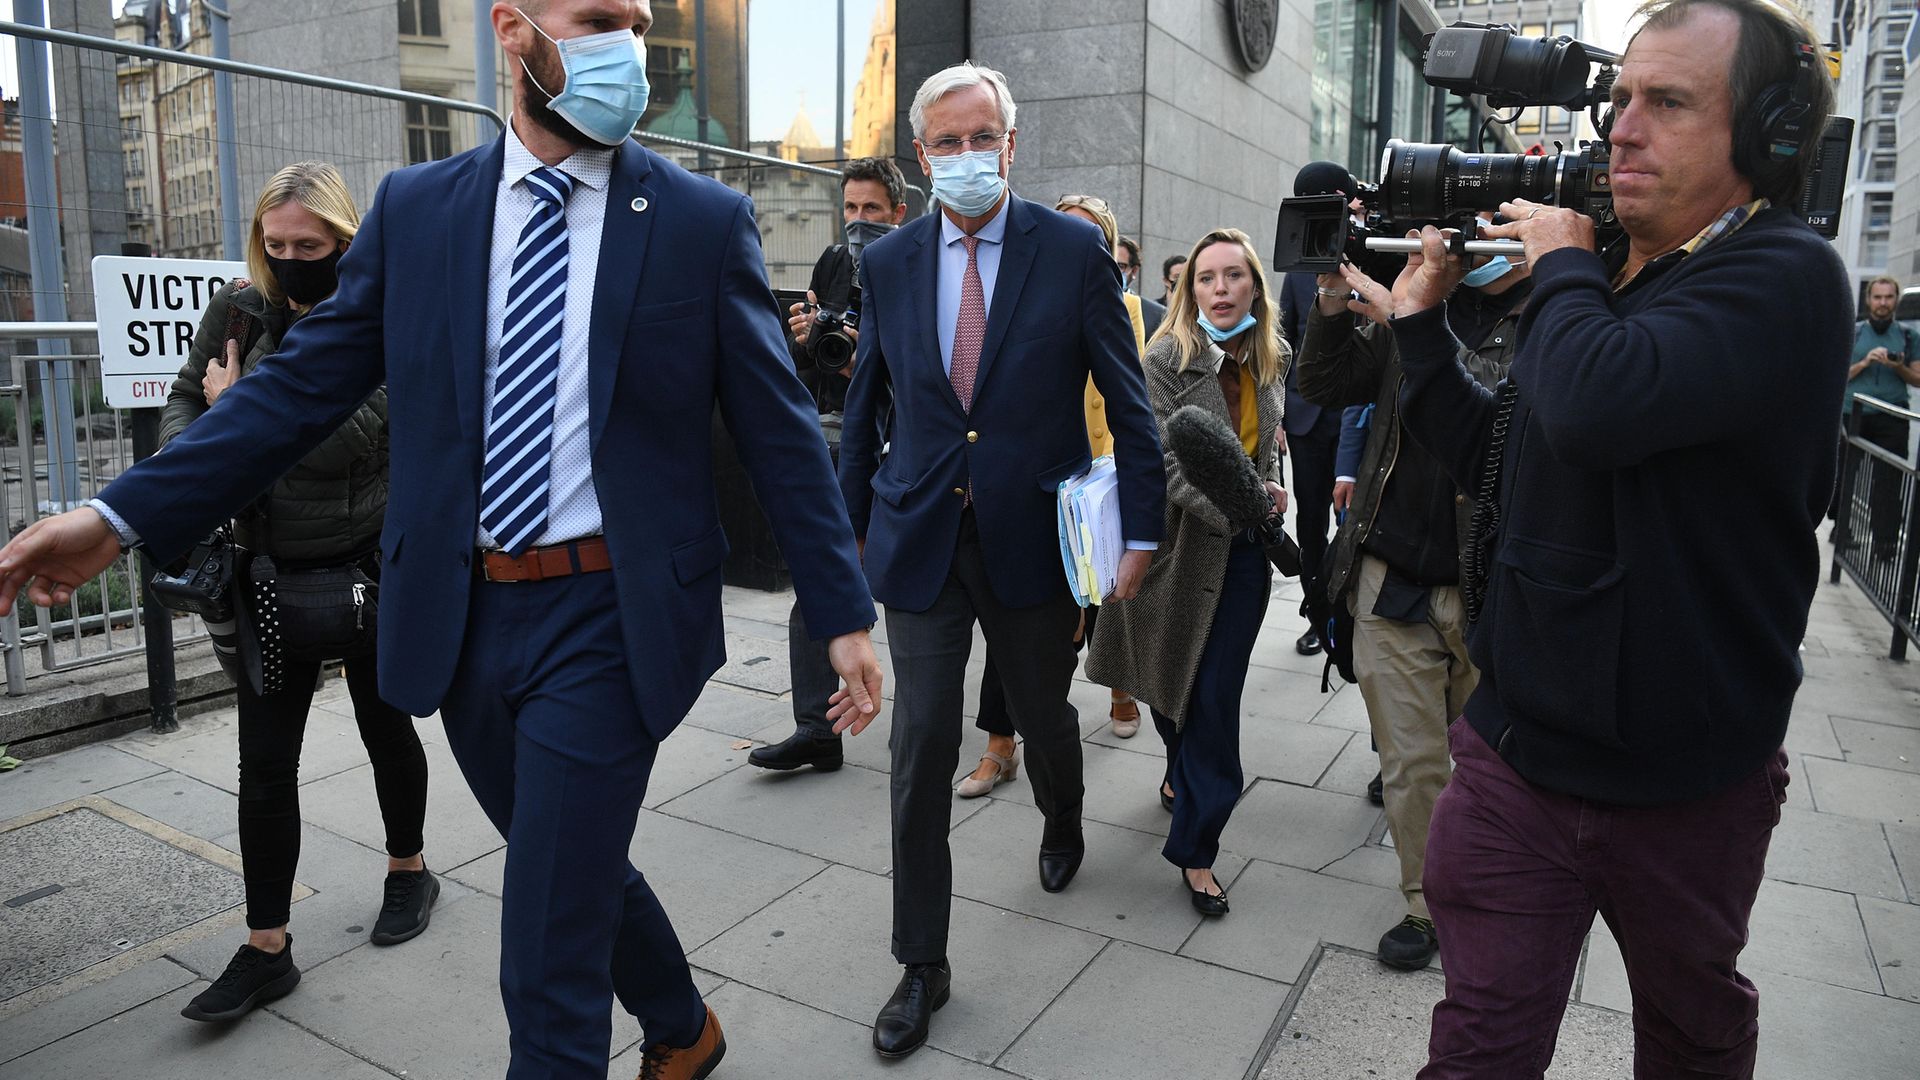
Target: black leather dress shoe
[1308, 643]
[1057, 867]
[799, 749]
[904, 1021]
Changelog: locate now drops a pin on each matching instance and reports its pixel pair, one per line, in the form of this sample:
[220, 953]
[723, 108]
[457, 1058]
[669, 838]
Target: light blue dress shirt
[952, 274]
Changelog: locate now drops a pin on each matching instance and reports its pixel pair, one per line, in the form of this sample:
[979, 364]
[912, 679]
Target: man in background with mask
[979, 321]
[1397, 561]
[551, 558]
[873, 202]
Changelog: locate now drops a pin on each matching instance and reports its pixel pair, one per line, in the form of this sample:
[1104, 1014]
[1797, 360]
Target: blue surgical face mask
[1494, 269]
[606, 89]
[968, 182]
[1222, 336]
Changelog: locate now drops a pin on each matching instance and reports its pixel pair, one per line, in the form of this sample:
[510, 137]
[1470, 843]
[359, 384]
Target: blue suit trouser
[543, 722]
[1203, 755]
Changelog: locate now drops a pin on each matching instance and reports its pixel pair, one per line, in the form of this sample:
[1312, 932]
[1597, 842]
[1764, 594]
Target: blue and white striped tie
[514, 479]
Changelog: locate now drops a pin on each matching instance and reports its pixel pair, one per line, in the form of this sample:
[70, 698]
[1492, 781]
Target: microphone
[1216, 463]
[1325, 178]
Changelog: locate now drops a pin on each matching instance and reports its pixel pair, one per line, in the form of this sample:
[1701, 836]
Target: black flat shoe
[903, 1023]
[1205, 903]
[252, 979]
[1376, 791]
[1308, 643]
[1166, 800]
[798, 749]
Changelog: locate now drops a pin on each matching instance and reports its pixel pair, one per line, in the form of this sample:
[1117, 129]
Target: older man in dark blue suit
[552, 550]
[982, 323]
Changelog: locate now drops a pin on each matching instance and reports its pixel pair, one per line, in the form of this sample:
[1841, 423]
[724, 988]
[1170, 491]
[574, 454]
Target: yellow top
[1099, 439]
[1249, 418]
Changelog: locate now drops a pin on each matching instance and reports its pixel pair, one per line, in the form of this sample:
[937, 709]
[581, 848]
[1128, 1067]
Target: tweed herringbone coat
[1150, 645]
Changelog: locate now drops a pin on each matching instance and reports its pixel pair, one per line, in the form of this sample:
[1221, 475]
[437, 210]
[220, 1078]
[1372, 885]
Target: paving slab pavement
[778, 885]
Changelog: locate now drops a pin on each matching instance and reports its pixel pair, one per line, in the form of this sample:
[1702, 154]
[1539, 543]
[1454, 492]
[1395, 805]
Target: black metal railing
[1878, 522]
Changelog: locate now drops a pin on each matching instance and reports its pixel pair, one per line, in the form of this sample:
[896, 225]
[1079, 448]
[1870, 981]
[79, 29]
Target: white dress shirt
[573, 509]
[952, 274]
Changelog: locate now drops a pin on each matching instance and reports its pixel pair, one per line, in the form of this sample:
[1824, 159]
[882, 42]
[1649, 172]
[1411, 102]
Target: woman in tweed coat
[1184, 643]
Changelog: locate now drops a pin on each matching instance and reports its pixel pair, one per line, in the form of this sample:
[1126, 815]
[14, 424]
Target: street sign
[148, 311]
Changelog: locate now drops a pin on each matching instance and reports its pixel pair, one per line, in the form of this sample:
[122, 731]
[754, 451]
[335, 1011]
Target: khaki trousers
[1415, 678]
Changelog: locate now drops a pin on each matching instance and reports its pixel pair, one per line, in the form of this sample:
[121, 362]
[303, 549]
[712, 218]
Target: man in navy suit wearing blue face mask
[551, 557]
[982, 324]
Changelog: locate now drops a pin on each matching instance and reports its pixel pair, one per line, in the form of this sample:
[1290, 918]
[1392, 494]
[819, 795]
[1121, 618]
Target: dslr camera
[1437, 183]
[829, 345]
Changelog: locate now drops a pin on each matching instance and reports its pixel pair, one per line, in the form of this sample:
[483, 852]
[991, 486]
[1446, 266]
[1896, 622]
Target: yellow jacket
[1099, 439]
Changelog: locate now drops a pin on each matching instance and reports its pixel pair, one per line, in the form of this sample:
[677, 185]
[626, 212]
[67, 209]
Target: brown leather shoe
[696, 1062]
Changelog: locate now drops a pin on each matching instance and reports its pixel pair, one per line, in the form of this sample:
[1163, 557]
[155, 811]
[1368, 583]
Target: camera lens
[834, 351]
[1431, 181]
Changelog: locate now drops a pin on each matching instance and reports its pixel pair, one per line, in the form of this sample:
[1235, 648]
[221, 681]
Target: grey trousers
[814, 679]
[1033, 650]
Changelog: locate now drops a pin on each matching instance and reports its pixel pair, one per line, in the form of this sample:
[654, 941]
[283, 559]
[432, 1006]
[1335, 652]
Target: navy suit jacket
[682, 319]
[1056, 316]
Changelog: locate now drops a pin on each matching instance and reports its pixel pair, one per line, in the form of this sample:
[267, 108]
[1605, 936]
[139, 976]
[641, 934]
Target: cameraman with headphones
[873, 200]
[1661, 455]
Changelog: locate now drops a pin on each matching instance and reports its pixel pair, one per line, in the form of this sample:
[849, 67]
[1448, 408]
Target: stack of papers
[1090, 539]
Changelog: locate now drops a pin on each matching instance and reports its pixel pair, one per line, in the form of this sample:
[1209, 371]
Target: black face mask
[307, 281]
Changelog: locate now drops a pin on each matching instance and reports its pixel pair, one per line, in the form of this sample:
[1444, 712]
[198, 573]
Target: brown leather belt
[587, 556]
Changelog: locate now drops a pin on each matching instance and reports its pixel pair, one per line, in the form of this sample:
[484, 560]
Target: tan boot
[696, 1062]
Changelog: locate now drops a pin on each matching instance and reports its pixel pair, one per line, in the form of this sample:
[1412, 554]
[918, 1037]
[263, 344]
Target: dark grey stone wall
[280, 123]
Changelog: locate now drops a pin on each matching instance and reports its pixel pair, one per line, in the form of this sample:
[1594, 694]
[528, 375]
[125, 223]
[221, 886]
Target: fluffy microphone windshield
[1216, 463]
[1324, 178]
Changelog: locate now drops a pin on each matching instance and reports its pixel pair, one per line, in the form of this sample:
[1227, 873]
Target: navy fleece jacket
[1669, 458]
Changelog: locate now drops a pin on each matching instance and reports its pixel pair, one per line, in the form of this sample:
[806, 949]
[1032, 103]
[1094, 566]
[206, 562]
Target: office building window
[429, 133]
[1880, 210]
[420, 18]
[1412, 97]
[1346, 49]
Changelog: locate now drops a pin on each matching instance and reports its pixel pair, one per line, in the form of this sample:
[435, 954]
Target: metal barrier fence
[1877, 530]
[103, 620]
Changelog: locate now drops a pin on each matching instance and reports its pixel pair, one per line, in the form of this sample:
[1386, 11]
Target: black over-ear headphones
[1769, 135]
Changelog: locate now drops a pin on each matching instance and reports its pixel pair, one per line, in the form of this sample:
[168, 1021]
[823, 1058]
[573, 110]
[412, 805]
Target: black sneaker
[1411, 945]
[408, 906]
[252, 978]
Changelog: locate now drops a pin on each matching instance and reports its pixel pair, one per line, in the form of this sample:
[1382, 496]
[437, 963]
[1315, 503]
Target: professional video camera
[829, 345]
[1436, 183]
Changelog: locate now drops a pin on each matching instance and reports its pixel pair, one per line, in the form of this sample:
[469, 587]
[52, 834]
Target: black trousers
[994, 719]
[272, 728]
[1033, 651]
[1313, 459]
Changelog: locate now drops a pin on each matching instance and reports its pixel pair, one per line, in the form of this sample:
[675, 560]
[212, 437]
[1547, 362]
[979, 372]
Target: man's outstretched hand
[857, 702]
[54, 556]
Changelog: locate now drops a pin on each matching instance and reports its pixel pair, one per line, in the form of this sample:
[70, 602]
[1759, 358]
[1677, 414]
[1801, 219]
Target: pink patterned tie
[970, 332]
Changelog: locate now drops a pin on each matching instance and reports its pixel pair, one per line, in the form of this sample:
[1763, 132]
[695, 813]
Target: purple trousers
[1514, 876]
